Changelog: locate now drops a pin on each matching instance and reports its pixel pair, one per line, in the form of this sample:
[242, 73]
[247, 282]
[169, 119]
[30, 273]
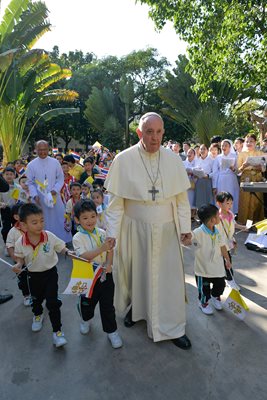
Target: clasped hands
[186, 239]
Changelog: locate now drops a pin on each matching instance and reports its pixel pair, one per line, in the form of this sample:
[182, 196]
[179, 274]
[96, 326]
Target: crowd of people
[222, 167]
[132, 211]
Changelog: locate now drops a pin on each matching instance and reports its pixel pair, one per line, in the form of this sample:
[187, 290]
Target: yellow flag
[235, 304]
[90, 180]
[261, 226]
[83, 278]
[15, 194]
[82, 270]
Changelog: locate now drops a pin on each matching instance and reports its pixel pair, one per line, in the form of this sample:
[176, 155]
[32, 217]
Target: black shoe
[128, 322]
[5, 297]
[182, 342]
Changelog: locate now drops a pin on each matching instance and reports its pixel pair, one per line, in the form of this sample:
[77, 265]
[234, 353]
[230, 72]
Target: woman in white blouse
[203, 191]
[224, 173]
[189, 163]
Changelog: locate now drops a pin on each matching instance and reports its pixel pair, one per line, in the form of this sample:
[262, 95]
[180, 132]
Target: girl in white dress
[224, 173]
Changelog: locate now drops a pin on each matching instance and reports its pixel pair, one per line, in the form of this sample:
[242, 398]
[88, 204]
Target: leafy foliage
[227, 39]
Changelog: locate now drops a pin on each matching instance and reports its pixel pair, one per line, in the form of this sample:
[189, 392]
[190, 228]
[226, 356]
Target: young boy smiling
[91, 243]
[37, 249]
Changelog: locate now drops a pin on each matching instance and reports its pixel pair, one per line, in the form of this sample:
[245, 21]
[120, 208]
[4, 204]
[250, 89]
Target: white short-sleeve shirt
[208, 258]
[13, 235]
[43, 256]
[83, 242]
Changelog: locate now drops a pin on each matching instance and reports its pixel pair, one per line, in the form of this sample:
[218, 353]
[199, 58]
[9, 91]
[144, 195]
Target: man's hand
[186, 239]
[228, 264]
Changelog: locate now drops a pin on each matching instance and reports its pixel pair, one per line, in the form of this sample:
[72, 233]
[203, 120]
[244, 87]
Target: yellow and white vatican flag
[261, 227]
[83, 278]
[236, 305]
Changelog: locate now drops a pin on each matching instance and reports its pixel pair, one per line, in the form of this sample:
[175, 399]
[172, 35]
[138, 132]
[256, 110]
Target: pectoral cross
[153, 191]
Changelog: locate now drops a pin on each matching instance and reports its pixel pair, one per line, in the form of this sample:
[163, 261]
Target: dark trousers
[44, 286]
[204, 289]
[23, 282]
[229, 272]
[104, 294]
[6, 222]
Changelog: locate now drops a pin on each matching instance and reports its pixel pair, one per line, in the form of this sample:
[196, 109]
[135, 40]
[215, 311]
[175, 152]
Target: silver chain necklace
[153, 191]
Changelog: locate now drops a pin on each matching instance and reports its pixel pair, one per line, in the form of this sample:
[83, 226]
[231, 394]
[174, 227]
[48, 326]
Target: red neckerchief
[26, 241]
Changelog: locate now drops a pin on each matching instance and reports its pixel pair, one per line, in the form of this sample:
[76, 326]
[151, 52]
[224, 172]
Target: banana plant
[26, 75]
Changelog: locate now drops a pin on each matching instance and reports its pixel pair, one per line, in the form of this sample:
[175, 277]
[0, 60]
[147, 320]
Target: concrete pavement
[227, 359]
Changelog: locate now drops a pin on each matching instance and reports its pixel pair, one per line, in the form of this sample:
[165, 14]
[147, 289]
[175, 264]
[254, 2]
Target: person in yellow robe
[250, 207]
[149, 216]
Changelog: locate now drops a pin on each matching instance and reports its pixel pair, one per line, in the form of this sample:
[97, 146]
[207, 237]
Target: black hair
[206, 212]
[9, 169]
[83, 206]
[99, 191]
[240, 139]
[28, 209]
[14, 211]
[89, 159]
[22, 177]
[75, 184]
[69, 158]
[216, 139]
[222, 196]
[59, 155]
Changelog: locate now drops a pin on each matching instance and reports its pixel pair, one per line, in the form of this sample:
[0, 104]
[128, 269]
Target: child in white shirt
[210, 252]
[38, 250]
[91, 243]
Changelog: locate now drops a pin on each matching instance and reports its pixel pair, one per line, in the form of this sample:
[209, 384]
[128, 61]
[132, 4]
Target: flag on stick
[83, 278]
[261, 227]
[236, 305]
[102, 173]
[76, 155]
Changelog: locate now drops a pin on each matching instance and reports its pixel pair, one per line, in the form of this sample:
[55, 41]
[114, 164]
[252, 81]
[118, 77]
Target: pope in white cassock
[149, 216]
[47, 171]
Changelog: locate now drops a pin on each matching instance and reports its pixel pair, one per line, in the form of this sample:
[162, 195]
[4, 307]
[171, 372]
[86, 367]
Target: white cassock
[148, 265]
[49, 169]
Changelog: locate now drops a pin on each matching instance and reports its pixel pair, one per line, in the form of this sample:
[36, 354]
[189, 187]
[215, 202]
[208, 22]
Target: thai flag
[75, 155]
[98, 269]
[102, 173]
[55, 151]
[22, 171]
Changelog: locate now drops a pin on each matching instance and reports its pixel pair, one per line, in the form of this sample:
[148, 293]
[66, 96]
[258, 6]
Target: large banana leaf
[12, 14]
[51, 96]
[6, 59]
[50, 114]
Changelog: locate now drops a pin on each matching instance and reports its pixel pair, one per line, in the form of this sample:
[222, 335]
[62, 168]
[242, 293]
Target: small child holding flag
[226, 228]
[38, 250]
[91, 244]
[210, 253]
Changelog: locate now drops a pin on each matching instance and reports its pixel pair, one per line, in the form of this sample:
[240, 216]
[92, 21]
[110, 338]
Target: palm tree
[184, 106]
[26, 74]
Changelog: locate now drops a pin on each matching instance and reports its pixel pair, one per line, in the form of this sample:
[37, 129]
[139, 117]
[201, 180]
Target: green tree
[184, 106]
[226, 38]
[24, 84]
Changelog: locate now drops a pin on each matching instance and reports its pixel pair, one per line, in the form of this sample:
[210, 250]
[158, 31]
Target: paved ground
[227, 360]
